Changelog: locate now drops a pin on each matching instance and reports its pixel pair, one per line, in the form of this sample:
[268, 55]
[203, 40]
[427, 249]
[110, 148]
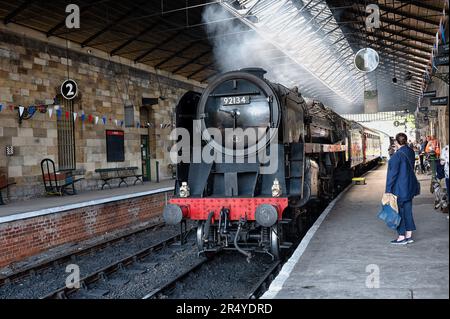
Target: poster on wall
[115, 150]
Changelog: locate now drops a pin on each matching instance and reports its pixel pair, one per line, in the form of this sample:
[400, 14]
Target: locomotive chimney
[259, 72]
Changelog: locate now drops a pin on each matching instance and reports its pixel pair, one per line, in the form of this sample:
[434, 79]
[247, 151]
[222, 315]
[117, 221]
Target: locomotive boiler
[258, 155]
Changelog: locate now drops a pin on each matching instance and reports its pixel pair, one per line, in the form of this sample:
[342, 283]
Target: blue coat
[401, 179]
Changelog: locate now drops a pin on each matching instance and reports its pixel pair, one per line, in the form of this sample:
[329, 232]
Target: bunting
[60, 113]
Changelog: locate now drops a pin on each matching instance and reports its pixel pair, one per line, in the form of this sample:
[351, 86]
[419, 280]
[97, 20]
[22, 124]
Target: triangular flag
[1, 107]
[21, 109]
[11, 107]
[57, 107]
[58, 113]
[31, 110]
[83, 116]
[75, 114]
[115, 122]
[67, 114]
[90, 118]
[50, 112]
[96, 119]
[121, 123]
[104, 120]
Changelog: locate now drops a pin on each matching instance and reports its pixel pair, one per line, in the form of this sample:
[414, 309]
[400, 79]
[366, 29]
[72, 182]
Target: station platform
[50, 204]
[347, 253]
[32, 227]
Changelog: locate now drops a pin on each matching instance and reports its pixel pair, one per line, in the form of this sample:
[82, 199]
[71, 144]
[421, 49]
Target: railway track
[104, 273]
[33, 269]
[262, 273]
[255, 291]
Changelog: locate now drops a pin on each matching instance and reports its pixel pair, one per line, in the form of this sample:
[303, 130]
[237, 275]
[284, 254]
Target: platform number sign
[69, 89]
[9, 150]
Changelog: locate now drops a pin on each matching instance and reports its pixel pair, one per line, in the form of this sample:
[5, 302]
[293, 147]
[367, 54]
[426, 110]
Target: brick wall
[31, 72]
[24, 238]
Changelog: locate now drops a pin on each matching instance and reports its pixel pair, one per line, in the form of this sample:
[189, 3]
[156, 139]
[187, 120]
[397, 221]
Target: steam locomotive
[306, 153]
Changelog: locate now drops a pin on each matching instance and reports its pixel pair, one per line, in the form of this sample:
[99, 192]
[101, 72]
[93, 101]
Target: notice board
[115, 148]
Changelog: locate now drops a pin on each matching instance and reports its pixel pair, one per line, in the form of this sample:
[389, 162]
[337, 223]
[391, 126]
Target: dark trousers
[448, 191]
[422, 165]
[407, 221]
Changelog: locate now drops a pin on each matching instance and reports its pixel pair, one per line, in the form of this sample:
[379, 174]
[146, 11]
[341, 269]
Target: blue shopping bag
[389, 216]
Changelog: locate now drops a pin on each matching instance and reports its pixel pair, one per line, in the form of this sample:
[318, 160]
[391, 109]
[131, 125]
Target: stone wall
[31, 72]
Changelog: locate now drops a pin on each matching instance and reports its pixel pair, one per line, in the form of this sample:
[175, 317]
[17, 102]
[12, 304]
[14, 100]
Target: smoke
[236, 46]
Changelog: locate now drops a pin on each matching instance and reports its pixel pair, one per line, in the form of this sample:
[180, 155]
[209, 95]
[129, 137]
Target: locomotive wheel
[275, 239]
[200, 242]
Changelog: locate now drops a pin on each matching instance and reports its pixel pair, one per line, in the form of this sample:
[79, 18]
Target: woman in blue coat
[402, 182]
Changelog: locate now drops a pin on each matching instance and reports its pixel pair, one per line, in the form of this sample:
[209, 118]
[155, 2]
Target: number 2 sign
[69, 89]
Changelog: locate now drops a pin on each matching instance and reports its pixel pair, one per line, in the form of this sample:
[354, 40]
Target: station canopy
[306, 43]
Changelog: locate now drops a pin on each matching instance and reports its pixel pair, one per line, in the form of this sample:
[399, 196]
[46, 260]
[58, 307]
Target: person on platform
[401, 181]
[445, 161]
[423, 145]
[391, 150]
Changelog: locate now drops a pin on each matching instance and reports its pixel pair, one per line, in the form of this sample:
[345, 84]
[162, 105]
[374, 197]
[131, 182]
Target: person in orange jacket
[433, 145]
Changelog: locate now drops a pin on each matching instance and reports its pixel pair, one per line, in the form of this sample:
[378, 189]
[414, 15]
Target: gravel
[227, 276]
[148, 274]
[52, 278]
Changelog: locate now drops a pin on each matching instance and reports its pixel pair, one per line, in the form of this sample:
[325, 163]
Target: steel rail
[64, 292]
[263, 284]
[32, 269]
[158, 293]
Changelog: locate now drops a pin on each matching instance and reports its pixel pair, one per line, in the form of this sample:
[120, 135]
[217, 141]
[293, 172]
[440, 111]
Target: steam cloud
[236, 46]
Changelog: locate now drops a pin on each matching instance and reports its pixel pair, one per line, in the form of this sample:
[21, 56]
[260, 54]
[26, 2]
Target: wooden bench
[122, 173]
[57, 182]
[3, 185]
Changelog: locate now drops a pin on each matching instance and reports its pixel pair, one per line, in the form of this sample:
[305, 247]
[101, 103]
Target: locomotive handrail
[233, 94]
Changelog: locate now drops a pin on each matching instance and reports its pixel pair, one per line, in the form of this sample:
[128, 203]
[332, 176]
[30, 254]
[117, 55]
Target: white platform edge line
[57, 209]
[287, 268]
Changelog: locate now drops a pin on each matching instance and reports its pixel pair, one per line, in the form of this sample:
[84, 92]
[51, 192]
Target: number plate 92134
[235, 100]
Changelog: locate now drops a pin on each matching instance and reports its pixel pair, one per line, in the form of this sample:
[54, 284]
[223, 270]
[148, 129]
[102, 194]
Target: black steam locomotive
[253, 187]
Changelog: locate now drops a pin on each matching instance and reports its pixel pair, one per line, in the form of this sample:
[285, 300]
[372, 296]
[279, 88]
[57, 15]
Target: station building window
[129, 115]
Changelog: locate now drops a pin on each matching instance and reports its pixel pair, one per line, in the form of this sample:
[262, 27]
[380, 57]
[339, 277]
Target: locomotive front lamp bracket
[276, 188]
[184, 190]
